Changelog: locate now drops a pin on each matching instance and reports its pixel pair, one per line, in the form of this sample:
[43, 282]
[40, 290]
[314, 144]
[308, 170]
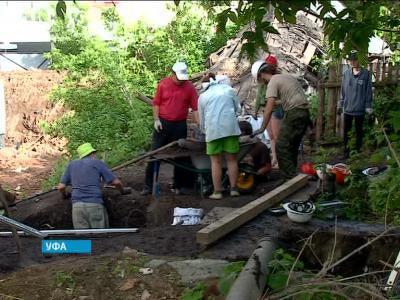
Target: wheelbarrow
[201, 162]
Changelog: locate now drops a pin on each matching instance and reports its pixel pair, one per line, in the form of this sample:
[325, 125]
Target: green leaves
[278, 280]
[231, 272]
[195, 293]
[353, 26]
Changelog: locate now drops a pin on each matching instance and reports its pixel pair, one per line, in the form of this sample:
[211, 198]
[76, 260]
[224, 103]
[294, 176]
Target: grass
[55, 175]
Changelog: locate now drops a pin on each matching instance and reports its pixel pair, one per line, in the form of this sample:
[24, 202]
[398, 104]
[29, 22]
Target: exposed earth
[29, 155]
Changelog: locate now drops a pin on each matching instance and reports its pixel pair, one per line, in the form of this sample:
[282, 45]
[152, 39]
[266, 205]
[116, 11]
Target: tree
[350, 28]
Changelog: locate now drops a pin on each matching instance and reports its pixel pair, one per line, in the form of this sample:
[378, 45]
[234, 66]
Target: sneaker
[146, 191]
[216, 196]
[234, 192]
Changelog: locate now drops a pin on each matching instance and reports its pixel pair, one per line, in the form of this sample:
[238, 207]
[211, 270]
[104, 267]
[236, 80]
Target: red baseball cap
[271, 60]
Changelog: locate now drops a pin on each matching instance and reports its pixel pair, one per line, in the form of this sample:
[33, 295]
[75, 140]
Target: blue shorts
[278, 113]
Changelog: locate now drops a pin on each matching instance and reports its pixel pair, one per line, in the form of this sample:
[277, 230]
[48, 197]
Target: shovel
[153, 207]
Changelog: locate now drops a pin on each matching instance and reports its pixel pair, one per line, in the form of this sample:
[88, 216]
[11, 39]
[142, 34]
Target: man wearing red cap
[277, 114]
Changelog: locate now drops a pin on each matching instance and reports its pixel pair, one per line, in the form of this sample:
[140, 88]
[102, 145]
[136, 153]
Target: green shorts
[229, 144]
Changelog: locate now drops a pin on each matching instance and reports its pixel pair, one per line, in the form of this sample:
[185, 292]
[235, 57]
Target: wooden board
[230, 222]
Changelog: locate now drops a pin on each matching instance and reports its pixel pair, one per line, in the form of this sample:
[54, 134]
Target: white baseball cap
[180, 69]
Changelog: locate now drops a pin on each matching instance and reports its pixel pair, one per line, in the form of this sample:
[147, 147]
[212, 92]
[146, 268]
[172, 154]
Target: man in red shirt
[174, 96]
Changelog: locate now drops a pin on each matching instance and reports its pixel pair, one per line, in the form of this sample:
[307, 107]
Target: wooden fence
[328, 122]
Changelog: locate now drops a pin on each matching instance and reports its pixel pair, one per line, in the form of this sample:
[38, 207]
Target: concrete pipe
[250, 283]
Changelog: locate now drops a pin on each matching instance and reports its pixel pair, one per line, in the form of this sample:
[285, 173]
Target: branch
[388, 30]
[306, 10]
[390, 146]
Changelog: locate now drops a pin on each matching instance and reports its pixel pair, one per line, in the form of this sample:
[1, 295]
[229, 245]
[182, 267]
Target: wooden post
[383, 71]
[371, 70]
[321, 112]
[378, 72]
[339, 121]
[390, 72]
[332, 102]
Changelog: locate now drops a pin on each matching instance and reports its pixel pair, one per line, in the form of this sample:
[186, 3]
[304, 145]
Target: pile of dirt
[29, 155]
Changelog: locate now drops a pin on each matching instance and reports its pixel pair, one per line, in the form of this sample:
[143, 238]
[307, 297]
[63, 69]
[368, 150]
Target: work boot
[234, 192]
[146, 191]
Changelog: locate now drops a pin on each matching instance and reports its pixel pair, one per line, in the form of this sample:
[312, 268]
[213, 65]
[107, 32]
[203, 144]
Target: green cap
[85, 149]
[353, 55]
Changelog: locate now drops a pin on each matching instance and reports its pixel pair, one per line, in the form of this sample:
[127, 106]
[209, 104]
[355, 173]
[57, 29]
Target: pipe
[25, 229]
[77, 231]
[251, 282]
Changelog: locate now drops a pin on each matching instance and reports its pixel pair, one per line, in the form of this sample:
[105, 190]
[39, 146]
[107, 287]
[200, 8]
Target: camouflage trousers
[293, 128]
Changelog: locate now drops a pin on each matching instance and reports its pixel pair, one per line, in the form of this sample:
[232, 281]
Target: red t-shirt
[174, 100]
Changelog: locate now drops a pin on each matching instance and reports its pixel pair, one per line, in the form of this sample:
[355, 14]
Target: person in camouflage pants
[294, 126]
[296, 119]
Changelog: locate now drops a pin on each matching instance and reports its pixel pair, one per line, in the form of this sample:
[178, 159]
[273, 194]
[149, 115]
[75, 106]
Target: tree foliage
[104, 76]
[350, 28]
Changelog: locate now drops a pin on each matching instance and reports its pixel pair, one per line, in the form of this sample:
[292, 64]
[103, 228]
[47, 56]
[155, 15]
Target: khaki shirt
[288, 90]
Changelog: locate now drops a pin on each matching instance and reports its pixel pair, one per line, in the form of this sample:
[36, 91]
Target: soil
[29, 155]
[115, 276]
[155, 237]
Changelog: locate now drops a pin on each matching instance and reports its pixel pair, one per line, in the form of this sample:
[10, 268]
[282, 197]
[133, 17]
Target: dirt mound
[29, 154]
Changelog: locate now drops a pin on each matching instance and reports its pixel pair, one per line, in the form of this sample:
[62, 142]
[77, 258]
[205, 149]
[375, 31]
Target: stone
[129, 251]
[129, 284]
[146, 271]
[145, 295]
[198, 269]
[155, 263]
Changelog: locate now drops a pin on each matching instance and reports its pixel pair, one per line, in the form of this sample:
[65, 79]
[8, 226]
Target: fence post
[390, 72]
[332, 101]
[339, 119]
[378, 72]
[383, 71]
[321, 111]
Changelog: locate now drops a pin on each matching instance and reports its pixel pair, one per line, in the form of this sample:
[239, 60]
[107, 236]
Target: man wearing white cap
[171, 103]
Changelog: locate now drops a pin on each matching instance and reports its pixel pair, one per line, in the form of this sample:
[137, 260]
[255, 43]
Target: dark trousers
[172, 131]
[348, 124]
[293, 128]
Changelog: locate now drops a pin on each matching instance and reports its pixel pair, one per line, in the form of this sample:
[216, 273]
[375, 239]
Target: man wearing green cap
[85, 175]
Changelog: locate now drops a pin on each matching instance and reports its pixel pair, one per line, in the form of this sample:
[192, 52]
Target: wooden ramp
[230, 222]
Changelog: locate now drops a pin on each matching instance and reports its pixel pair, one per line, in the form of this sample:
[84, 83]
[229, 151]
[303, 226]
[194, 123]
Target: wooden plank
[320, 114]
[230, 222]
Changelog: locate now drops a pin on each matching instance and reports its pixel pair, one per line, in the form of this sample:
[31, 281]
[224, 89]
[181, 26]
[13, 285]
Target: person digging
[296, 119]
[86, 176]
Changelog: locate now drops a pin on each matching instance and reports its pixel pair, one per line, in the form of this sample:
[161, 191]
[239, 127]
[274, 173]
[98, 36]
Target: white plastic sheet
[255, 125]
[187, 216]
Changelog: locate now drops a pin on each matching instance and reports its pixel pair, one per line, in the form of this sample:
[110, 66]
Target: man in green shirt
[289, 91]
